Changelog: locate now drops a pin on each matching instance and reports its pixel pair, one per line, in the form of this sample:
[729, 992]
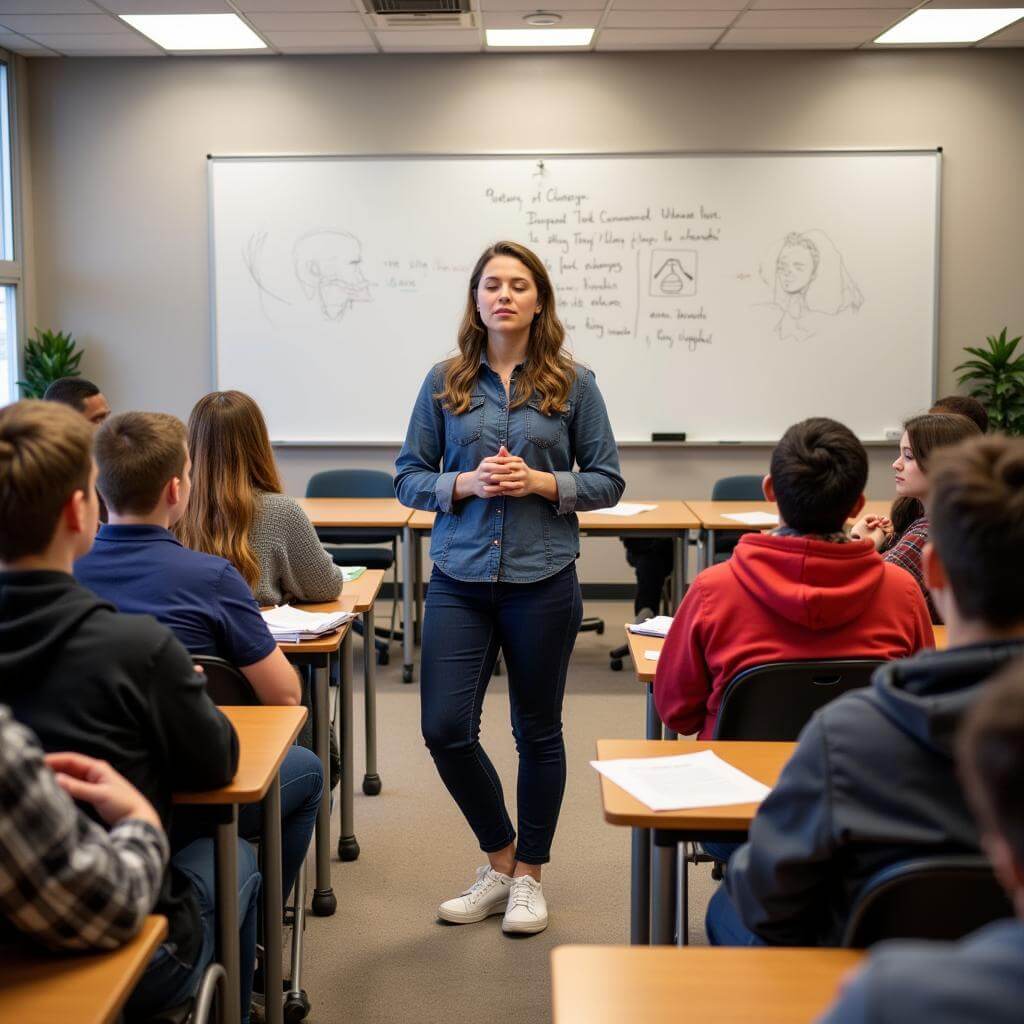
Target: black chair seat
[372, 558]
[224, 682]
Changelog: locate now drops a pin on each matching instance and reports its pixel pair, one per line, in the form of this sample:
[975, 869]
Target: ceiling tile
[514, 19]
[346, 21]
[669, 19]
[877, 18]
[657, 39]
[526, 5]
[975, 3]
[802, 5]
[165, 7]
[19, 44]
[679, 5]
[307, 6]
[99, 45]
[64, 24]
[46, 7]
[793, 38]
[428, 40]
[326, 40]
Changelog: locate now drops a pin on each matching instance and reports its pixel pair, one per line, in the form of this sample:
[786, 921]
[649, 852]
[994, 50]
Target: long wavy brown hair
[548, 371]
[232, 462]
[927, 433]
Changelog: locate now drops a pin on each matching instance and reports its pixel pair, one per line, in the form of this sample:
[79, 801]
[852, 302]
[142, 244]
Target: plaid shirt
[63, 879]
[906, 552]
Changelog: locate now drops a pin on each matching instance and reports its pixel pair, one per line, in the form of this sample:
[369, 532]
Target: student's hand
[876, 529]
[95, 782]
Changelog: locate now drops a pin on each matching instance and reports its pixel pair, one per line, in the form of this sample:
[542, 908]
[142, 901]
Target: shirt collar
[135, 532]
[830, 538]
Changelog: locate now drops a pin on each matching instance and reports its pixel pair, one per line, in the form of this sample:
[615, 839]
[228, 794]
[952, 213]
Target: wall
[119, 183]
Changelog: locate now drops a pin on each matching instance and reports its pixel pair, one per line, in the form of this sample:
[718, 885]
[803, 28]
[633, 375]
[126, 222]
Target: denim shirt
[504, 539]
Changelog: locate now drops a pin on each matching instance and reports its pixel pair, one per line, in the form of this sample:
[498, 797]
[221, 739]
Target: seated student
[963, 405]
[139, 565]
[872, 780]
[236, 508]
[651, 559]
[902, 535]
[82, 395]
[802, 591]
[64, 881]
[980, 978]
[116, 687]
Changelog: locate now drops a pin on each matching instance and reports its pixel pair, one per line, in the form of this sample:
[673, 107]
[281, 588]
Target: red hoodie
[783, 599]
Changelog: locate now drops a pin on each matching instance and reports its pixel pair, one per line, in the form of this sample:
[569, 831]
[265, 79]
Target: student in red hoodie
[803, 591]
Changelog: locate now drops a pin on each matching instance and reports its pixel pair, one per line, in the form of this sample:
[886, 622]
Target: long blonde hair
[548, 371]
[231, 462]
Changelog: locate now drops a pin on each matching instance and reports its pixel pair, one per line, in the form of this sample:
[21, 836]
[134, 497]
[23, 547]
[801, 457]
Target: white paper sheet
[658, 626]
[624, 508]
[652, 655]
[752, 518]
[683, 781]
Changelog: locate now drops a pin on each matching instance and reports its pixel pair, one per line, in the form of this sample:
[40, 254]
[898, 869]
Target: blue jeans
[302, 785]
[169, 981]
[723, 924]
[535, 626]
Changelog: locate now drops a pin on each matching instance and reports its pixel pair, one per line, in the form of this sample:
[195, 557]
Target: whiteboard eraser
[893, 433]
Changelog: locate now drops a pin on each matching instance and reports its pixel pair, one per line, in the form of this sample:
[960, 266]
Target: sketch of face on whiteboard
[809, 281]
[320, 275]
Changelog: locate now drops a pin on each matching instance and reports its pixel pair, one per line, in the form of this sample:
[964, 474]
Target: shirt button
[497, 543]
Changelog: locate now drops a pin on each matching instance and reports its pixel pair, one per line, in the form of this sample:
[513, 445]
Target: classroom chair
[942, 898]
[201, 1008]
[746, 487]
[349, 548]
[224, 683]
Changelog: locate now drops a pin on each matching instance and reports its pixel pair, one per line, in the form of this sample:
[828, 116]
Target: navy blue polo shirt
[201, 598]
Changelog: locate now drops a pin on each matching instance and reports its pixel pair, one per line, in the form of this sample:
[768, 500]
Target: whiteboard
[721, 295]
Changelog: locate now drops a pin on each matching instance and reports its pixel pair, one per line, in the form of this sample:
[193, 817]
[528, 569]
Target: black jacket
[118, 687]
[872, 783]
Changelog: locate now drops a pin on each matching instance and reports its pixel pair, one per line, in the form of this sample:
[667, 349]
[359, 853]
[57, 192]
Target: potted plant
[48, 357]
[998, 381]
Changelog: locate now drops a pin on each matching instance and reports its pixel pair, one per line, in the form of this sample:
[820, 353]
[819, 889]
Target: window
[10, 247]
[8, 348]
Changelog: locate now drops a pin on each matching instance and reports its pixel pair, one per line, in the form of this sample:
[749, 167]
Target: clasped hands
[877, 529]
[503, 474]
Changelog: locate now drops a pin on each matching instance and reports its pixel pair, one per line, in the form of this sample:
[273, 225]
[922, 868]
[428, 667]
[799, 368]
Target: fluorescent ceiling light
[539, 36]
[196, 31]
[955, 25]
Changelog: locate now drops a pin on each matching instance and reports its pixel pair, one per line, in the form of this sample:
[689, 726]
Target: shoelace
[479, 888]
[522, 896]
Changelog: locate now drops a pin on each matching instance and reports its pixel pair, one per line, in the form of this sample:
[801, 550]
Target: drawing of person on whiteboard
[810, 282]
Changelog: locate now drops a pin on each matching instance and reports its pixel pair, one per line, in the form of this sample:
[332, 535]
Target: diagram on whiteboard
[809, 281]
[321, 270]
[673, 273]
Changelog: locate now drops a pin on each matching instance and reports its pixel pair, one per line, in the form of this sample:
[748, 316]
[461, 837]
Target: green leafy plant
[48, 357]
[998, 381]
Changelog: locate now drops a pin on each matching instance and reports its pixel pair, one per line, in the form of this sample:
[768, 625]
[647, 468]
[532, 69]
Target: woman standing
[491, 446]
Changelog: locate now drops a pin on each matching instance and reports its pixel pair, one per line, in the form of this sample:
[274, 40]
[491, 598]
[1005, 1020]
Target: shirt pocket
[544, 431]
[466, 427]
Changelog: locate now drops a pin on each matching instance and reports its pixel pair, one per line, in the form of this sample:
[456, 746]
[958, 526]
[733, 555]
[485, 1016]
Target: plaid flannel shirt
[906, 551]
[63, 879]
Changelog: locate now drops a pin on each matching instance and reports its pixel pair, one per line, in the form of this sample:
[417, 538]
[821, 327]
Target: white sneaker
[486, 896]
[527, 911]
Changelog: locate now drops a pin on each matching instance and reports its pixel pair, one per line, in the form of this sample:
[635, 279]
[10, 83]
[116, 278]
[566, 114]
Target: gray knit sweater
[293, 563]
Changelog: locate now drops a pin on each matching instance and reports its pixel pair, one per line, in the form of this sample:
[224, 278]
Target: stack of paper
[683, 781]
[658, 626]
[289, 625]
[625, 508]
[753, 518]
[352, 572]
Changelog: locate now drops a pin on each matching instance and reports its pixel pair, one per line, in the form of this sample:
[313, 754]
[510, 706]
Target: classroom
[294, 213]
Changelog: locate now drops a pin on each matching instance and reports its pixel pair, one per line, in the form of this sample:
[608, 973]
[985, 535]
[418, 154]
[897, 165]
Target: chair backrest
[224, 682]
[738, 488]
[941, 898]
[351, 483]
[774, 702]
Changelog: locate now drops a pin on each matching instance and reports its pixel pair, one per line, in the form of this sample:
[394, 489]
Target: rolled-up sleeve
[419, 483]
[598, 483]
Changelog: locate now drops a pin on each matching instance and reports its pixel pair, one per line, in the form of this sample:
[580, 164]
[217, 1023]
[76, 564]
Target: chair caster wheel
[348, 848]
[383, 657]
[407, 674]
[371, 785]
[296, 1006]
[600, 629]
[616, 664]
[324, 902]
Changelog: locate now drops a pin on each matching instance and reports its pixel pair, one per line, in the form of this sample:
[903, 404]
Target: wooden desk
[264, 736]
[638, 647]
[88, 988]
[627, 984]
[652, 880]
[941, 640]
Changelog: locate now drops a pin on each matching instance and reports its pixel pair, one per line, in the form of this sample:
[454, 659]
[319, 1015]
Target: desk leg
[640, 856]
[407, 587]
[348, 848]
[371, 780]
[663, 892]
[324, 901]
[683, 897]
[273, 902]
[709, 548]
[226, 872]
[679, 546]
[417, 554]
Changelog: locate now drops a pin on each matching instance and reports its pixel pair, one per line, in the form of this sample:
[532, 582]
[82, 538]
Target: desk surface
[710, 513]
[670, 514]
[264, 736]
[355, 512]
[665, 985]
[87, 988]
[762, 761]
[941, 639]
[643, 667]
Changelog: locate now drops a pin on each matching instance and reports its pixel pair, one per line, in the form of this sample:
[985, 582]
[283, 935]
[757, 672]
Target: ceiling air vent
[420, 13]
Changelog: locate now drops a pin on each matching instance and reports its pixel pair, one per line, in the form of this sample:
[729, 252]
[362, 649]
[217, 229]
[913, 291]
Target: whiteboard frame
[517, 154]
